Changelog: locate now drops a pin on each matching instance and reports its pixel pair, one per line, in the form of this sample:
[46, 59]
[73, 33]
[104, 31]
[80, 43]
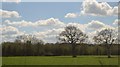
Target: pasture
[60, 60]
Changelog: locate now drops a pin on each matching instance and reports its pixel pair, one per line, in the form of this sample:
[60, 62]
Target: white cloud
[94, 8]
[17, 1]
[115, 10]
[116, 22]
[82, 27]
[48, 22]
[71, 15]
[91, 35]
[49, 35]
[95, 25]
[9, 30]
[18, 23]
[9, 14]
[9, 33]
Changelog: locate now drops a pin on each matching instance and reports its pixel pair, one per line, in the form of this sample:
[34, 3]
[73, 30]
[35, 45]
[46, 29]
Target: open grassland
[60, 60]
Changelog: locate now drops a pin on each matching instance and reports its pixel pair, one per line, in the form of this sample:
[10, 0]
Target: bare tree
[29, 38]
[106, 36]
[72, 35]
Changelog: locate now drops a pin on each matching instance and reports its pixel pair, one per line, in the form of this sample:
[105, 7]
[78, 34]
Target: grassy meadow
[60, 60]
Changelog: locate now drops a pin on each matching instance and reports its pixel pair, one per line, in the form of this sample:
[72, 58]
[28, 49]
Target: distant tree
[106, 36]
[72, 35]
[29, 38]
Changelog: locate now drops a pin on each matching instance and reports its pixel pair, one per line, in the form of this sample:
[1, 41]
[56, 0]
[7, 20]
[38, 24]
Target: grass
[60, 60]
[0, 61]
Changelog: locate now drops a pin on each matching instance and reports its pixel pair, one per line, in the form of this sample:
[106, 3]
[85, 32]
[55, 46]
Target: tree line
[50, 49]
[72, 41]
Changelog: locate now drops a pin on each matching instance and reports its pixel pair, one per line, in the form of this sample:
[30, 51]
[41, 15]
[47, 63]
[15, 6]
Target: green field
[60, 60]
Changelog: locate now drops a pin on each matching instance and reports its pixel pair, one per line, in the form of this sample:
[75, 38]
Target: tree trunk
[73, 51]
[108, 51]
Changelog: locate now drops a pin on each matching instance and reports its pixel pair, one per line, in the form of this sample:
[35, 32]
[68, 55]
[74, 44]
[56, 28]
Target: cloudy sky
[46, 20]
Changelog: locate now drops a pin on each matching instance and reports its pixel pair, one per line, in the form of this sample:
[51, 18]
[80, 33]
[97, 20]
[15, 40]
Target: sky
[55, 0]
[46, 20]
